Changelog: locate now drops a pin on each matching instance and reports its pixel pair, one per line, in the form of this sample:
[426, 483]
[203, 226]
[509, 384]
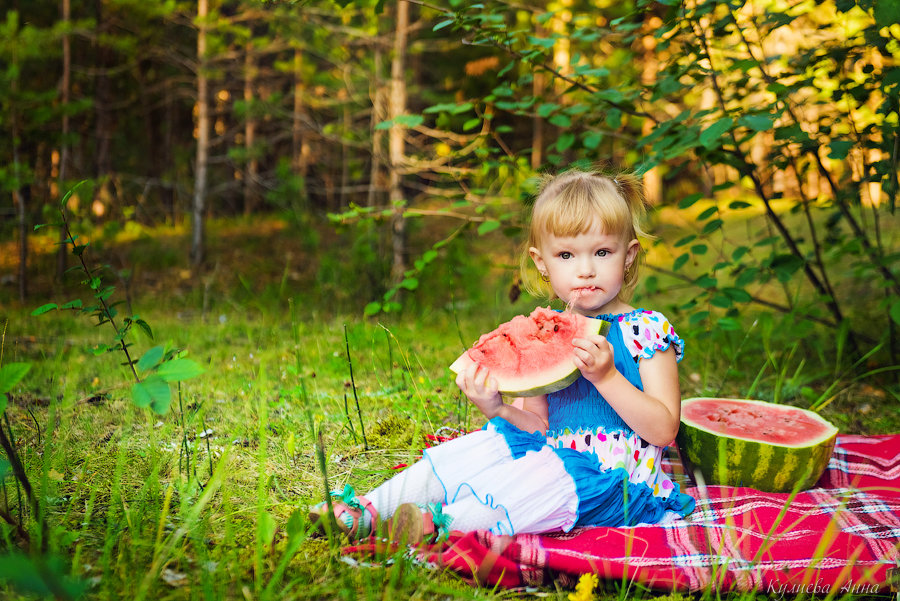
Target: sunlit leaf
[689, 200]
[721, 301]
[145, 327]
[11, 374]
[708, 213]
[592, 140]
[840, 149]
[565, 141]
[100, 349]
[151, 358]
[140, 394]
[443, 24]
[177, 370]
[729, 323]
[472, 123]
[409, 120]
[488, 226]
[738, 294]
[711, 135]
[895, 312]
[45, 308]
[739, 204]
[546, 109]
[706, 281]
[757, 122]
[697, 317]
[712, 226]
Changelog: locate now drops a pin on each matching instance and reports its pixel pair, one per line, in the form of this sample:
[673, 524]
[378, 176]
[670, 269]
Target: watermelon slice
[769, 447]
[532, 355]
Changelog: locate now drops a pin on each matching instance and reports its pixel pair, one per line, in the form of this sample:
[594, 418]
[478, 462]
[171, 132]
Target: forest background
[254, 175]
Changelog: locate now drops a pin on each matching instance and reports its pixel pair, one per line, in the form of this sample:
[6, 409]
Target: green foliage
[160, 366]
[804, 136]
[44, 577]
[10, 375]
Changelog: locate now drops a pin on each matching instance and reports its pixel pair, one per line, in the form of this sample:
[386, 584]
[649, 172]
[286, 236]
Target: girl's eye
[565, 255]
[602, 253]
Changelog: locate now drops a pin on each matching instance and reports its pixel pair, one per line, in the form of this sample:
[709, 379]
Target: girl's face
[587, 271]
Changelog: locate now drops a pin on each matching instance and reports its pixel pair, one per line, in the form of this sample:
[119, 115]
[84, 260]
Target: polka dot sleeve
[646, 332]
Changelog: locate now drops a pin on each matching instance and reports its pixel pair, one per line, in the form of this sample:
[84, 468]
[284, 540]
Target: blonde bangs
[577, 204]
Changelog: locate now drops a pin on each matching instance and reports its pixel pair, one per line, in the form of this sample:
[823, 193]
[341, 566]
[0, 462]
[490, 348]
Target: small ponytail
[631, 189]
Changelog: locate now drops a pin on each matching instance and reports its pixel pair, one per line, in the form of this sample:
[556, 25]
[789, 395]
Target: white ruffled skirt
[540, 487]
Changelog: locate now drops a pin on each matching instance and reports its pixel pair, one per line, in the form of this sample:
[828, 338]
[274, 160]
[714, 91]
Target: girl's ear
[538, 260]
[631, 252]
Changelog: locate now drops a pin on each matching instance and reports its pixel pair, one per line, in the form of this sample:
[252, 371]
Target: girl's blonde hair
[573, 202]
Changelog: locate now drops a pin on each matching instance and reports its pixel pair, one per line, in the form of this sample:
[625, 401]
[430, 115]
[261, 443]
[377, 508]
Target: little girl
[588, 455]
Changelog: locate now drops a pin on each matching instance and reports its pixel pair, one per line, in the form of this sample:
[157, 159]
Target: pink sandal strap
[355, 508]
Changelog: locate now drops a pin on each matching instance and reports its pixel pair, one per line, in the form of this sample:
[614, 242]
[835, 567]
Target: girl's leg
[529, 495]
[440, 475]
[415, 484]
[356, 514]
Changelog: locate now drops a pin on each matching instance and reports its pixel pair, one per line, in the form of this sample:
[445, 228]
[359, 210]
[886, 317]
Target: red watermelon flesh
[777, 424]
[531, 355]
[744, 442]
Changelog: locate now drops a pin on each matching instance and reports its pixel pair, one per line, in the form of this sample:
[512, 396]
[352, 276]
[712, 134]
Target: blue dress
[589, 469]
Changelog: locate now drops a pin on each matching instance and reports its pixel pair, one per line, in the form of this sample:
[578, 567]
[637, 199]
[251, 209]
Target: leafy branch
[160, 365]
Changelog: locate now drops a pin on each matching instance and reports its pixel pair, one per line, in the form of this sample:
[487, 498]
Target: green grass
[207, 501]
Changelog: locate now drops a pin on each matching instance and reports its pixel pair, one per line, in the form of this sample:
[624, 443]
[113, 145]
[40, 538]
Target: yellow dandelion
[584, 590]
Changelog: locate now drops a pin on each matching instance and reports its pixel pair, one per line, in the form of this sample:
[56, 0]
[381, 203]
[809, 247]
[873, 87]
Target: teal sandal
[347, 509]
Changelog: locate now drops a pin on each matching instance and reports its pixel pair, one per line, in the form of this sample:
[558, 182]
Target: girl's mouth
[583, 290]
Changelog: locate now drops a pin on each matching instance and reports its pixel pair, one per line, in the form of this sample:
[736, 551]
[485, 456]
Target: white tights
[418, 484]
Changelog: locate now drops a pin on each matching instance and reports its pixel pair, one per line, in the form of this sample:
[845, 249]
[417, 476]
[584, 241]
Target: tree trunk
[346, 155]
[396, 145]
[378, 115]
[20, 194]
[537, 130]
[300, 145]
[251, 170]
[166, 152]
[103, 100]
[653, 177]
[61, 251]
[198, 241]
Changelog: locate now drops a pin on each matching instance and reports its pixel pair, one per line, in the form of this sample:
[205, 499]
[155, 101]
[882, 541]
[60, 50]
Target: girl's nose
[586, 269]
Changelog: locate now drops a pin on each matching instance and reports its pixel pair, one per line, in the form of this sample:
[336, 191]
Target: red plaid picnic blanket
[841, 537]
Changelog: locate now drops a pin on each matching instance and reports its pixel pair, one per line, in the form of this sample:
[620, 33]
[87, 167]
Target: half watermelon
[769, 447]
[531, 355]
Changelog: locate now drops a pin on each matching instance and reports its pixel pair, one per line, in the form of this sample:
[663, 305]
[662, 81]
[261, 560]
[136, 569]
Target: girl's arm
[654, 413]
[529, 414]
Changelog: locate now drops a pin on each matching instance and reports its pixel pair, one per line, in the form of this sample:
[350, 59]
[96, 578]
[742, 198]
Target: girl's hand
[477, 384]
[594, 357]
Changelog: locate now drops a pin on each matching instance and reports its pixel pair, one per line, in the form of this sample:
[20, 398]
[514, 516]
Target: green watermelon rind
[731, 461]
[558, 377]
